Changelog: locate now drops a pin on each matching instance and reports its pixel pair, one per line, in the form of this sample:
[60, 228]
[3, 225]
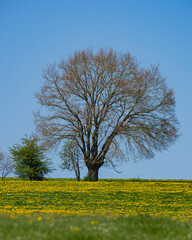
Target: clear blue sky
[34, 33]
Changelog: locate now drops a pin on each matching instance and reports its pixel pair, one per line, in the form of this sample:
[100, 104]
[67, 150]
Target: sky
[36, 33]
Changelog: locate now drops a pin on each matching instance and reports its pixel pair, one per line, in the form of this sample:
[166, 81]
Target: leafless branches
[94, 99]
[6, 165]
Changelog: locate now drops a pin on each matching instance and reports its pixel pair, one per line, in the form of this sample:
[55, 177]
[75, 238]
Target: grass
[89, 227]
[118, 198]
[108, 209]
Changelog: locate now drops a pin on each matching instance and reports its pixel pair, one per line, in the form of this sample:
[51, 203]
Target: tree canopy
[71, 158]
[6, 165]
[30, 161]
[103, 100]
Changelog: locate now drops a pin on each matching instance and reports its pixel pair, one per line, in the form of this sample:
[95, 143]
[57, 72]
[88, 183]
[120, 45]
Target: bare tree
[71, 158]
[6, 165]
[101, 100]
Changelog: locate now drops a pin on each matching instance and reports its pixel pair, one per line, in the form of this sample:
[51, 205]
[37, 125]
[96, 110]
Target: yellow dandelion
[75, 229]
[94, 222]
[39, 218]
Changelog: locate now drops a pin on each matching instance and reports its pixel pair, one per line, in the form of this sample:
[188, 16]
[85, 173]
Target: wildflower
[94, 222]
[39, 218]
[75, 229]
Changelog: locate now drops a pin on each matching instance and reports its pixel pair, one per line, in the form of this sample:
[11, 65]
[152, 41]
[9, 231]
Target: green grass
[110, 209]
[105, 180]
[106, 197]
[88, 228]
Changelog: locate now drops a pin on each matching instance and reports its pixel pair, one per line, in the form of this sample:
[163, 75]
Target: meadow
[95, 206]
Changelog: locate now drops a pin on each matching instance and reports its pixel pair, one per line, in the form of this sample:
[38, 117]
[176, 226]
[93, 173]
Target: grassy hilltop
[66, 209]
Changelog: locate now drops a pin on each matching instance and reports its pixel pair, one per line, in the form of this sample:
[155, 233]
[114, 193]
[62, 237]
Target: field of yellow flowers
[104, 198]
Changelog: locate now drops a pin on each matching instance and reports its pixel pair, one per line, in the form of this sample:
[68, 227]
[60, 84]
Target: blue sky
[35, 33]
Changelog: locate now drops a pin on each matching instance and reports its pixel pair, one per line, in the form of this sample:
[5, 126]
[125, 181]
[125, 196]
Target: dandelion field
[108, 209]
[171, 199]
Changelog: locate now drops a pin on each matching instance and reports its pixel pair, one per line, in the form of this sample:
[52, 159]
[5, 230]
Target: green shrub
[30, 161]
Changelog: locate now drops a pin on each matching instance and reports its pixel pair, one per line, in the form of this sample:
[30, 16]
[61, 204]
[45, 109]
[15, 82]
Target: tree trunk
[77, 173]
[78, 178]
[93, 173]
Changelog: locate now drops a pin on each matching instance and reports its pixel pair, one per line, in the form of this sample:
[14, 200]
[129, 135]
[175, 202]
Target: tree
[104, 102]
[30, 161]
[71, 156]
[6, 165]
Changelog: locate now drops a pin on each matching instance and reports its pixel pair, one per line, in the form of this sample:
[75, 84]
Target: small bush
[30, 161]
